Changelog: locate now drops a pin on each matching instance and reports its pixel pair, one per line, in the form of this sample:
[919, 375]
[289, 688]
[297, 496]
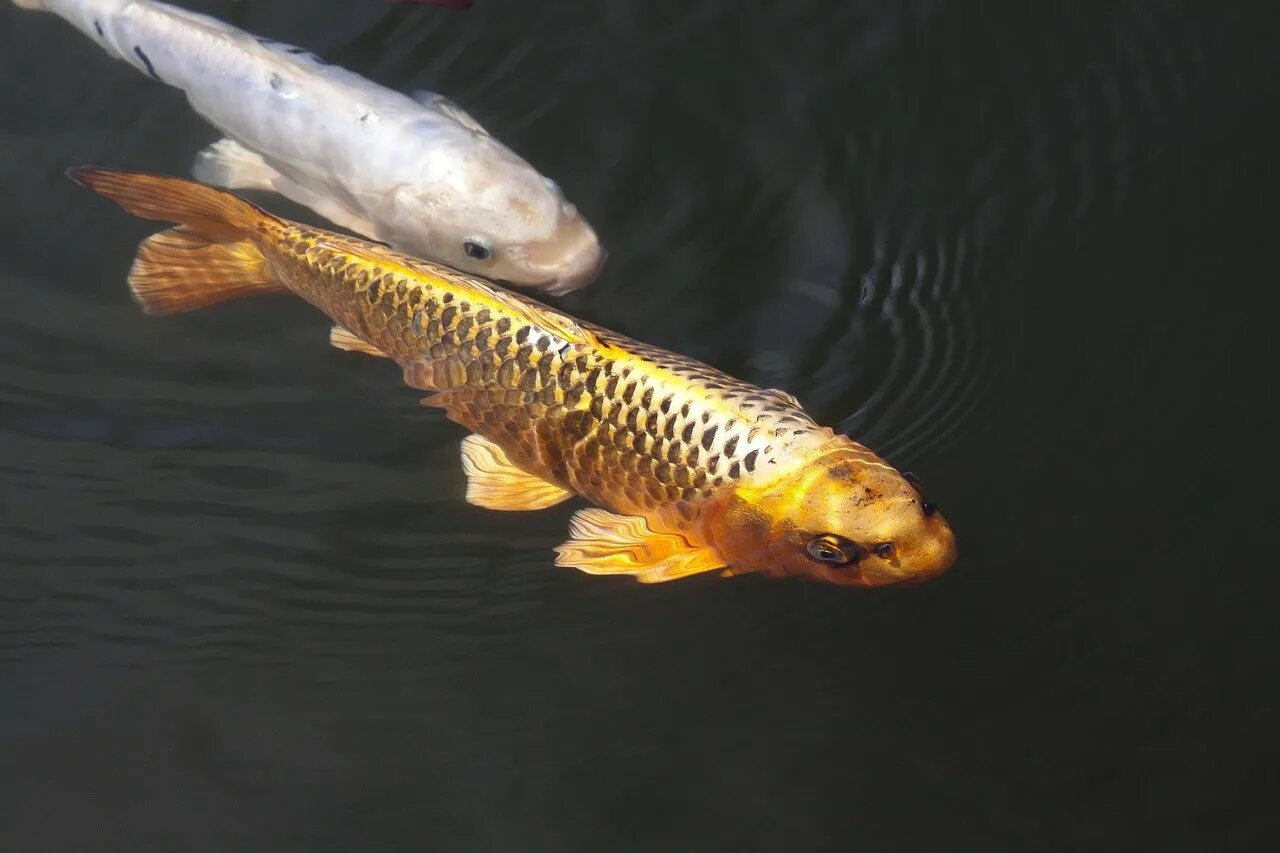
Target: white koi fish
[419, 174]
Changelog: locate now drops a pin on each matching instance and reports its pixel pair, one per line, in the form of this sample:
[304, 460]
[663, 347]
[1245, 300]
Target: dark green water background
[1025, 254]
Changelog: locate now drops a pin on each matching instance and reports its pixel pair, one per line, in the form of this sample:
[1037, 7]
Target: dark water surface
[243, 606]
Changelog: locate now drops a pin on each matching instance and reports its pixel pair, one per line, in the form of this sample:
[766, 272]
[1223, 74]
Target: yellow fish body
[698, 471]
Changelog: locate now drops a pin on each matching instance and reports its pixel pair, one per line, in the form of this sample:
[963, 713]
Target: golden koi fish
[698, 471]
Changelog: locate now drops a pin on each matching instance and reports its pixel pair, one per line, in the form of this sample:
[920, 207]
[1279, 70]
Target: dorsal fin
[534, 313]
[561, 325]
[441, 104]
[785, 397]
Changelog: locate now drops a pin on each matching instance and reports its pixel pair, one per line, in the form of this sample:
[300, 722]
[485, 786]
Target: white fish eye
[477, 250]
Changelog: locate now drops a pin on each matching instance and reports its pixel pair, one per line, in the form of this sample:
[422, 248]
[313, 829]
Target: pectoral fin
[494, 482]
[342, 339]
[603, 543]
[228, 164]
[326, 207]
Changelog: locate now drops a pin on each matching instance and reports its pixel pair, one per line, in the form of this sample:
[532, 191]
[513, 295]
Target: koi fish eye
[477, 250]
[833, 549]
[929, 509]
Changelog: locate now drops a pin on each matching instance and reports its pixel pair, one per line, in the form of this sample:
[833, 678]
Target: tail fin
[215, 213]
[179, 270]
[210, 258]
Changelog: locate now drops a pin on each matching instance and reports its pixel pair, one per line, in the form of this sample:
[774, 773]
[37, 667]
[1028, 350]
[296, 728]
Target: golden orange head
[847, 517]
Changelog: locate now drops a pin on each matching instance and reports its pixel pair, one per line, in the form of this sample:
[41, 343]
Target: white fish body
[419, 174]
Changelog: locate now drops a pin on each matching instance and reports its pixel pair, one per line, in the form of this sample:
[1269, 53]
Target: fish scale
[709, 473]
[617, 421]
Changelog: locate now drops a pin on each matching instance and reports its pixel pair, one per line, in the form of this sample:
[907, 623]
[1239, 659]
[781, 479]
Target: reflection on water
[1016, 252]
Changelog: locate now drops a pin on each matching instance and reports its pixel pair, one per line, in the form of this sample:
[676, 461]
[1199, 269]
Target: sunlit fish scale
[418, 173]
[695, 471]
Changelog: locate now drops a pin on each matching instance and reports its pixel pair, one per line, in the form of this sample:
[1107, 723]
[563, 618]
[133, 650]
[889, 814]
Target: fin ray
[226, 163]
[441, 104]
[327, 207]
[494, 482]
[344, 340]
[229, 164]
[178, 270]
[604, 543]
[785, 397]
[214, 213]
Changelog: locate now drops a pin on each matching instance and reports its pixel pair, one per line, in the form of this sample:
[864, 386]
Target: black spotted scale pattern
[624, 424]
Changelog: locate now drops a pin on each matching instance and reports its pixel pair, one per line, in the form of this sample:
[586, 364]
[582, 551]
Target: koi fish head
[847, 518]
[494, 216]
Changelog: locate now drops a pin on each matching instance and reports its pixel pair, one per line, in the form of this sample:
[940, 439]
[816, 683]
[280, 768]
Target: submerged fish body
[417, 173]
[698, 471]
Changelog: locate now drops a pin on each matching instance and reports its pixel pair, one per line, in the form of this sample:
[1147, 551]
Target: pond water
[1024, 255]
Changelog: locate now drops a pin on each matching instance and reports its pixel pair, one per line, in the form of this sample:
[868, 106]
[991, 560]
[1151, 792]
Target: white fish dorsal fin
[298, 54]
[441, 104]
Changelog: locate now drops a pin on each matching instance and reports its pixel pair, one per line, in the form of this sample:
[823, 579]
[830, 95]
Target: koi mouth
[559, 285]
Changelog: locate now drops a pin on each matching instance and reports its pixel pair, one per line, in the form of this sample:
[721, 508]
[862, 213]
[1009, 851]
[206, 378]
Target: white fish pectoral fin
[228, 164]
[441, 104]
[326, 207]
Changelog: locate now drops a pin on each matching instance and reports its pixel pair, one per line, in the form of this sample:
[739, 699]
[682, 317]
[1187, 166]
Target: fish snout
[584, 269]
[930, 554]
[570, 258]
